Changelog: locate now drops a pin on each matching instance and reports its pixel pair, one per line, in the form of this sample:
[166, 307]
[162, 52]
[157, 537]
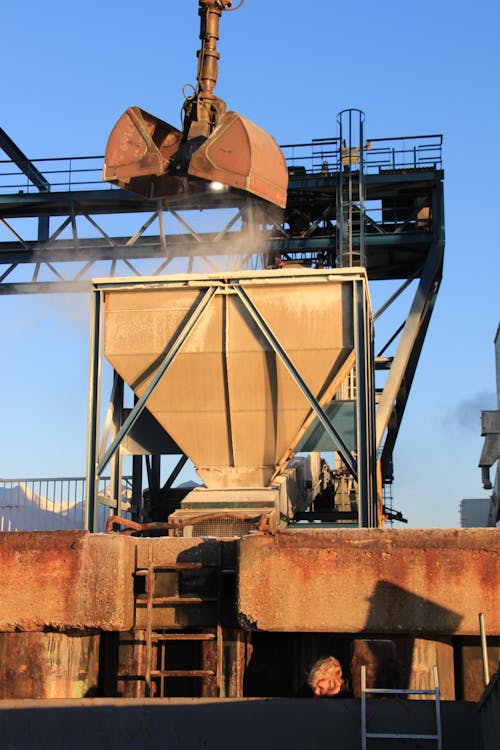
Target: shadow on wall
[399, 661]
[395, 609]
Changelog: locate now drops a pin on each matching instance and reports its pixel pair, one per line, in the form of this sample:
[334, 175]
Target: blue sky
[71, 70]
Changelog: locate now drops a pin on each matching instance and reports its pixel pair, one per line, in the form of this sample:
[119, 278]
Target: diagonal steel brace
[167, 361]
[268, 334]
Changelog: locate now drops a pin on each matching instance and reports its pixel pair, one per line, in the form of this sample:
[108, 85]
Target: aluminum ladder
[366, 735]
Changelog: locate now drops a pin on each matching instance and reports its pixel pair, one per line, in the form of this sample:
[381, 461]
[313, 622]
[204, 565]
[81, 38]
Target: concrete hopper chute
[233, 393]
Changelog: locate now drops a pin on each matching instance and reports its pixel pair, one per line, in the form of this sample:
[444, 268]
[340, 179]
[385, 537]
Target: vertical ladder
[155, 672]
[350, 211]
[365, 735]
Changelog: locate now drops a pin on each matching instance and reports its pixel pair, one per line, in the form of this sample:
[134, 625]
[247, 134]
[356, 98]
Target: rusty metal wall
[49, 665]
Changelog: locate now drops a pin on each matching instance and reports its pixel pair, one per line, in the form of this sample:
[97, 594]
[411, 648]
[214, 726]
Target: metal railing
[408, 152]
[53, 504]
[65, 173]
[380, 155]
[319, 156]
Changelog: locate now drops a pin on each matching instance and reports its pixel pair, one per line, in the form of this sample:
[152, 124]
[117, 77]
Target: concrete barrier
[272, 724]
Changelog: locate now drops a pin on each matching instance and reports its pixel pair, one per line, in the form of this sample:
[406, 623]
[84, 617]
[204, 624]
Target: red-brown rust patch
[415, 581]
[386, 539]
[39, 566]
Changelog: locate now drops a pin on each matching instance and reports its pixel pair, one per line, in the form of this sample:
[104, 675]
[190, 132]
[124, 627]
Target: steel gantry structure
[60, 226]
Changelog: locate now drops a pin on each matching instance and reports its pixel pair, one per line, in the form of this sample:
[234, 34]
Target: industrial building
[167, 610]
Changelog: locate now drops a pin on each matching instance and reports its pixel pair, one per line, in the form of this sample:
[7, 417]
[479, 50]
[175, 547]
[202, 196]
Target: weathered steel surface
[470, 666]
[374, 581]
[132, 149]
[48, 665]
[227, 399]
[242, 155]
[66, 580]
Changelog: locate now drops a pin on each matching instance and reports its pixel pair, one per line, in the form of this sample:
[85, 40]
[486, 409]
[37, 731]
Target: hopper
[227, 399]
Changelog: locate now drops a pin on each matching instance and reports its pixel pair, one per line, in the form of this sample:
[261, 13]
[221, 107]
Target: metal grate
[223, 526]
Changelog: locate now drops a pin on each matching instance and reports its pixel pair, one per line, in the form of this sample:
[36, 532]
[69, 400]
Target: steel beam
[365, 410]
[94, 398]
[391, 252]
[396, 389]
[170, 355]
[96, 464]
[25, 165]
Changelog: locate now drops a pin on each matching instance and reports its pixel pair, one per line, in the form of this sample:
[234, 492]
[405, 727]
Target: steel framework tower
[376, 202]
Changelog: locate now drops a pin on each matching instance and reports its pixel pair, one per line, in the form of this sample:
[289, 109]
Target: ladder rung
[171, 566]
[177, 600]
[395, 691]
[182, 673]
[183, 637]
[366, 691]
[388, 736]
[171, 626]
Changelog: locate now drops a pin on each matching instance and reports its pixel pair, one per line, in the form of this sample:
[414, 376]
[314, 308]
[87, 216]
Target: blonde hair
[327, 668]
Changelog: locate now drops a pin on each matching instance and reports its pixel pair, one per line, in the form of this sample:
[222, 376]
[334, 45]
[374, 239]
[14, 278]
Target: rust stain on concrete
[415, 581]
[64, 580]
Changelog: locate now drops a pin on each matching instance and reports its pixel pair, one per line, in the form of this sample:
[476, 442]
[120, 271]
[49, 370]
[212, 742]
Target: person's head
[325, 677]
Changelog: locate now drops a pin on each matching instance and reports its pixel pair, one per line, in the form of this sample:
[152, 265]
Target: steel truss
[104, 449]
[403, 227]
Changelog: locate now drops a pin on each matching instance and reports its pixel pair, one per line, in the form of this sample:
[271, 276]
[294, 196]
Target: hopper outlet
[229, 361]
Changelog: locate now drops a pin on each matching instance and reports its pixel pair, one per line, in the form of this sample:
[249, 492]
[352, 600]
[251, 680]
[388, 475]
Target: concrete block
[432, 581]
[65, 580]
[178, 550]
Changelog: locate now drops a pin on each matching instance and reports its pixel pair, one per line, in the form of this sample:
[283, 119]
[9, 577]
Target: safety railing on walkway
[50, 504]
[379, 155]
[63, 174]
[319, 156]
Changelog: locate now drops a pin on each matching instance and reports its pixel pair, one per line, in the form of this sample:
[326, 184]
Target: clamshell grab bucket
[140, 145]
[241, 155]
[152, 158]
[238, 154]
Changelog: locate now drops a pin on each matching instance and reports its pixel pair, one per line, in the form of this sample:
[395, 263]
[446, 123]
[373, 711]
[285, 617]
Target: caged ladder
[366, 735]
